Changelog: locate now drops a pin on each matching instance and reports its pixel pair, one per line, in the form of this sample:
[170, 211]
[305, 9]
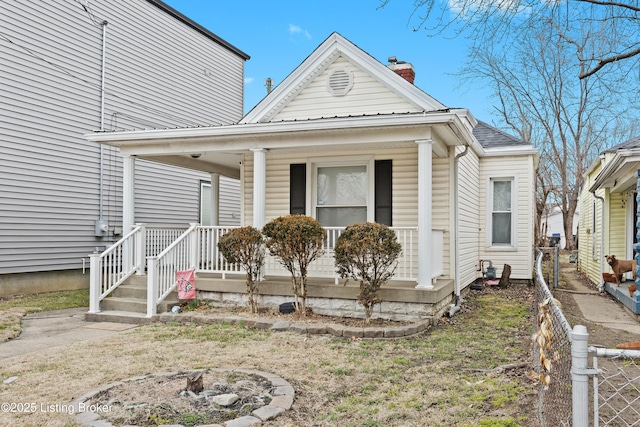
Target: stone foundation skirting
[338, 307]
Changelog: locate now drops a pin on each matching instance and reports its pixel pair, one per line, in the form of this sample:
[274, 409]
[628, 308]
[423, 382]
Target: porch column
[215, 199]
[128, 194]
[425, 151]
[259, 186]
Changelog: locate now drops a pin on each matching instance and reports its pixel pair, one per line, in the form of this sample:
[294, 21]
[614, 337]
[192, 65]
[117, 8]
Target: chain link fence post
[556, 266]
[580, 375]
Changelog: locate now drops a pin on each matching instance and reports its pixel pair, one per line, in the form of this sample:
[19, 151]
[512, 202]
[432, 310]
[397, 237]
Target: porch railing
[210, 261]
[163, 251]
[162, 269]
[113, 266]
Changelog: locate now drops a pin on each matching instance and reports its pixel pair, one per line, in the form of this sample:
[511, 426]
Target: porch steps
[128, 303]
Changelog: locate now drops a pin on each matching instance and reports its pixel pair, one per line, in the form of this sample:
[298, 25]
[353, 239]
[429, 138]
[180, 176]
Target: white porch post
[129, 210]
[425, 150]
[128, 193]
[215, 199]
[259, 186]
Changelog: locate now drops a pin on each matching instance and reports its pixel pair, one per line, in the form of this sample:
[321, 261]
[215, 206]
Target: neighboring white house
[345, 138]
[72, 67]
[552, 227]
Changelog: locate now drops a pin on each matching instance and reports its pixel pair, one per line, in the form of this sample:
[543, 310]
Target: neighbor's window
[341, 195]
[502, 212]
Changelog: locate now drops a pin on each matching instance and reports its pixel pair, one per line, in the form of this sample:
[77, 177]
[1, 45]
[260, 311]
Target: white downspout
[601, 285]
[602, 222]
[102, 85]
[454, 308]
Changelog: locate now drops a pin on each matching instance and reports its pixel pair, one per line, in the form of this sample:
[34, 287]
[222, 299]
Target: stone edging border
[283, 395]
[301, 327]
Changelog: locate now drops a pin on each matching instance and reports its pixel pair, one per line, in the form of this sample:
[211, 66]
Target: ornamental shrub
[296, 240]
[245, 246]
[368, 252]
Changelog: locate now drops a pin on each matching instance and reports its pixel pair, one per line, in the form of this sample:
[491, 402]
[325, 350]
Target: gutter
[247, 130]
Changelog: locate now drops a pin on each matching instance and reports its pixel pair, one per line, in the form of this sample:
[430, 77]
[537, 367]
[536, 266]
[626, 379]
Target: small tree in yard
[367, 252]
[245, 246]
[297, 240]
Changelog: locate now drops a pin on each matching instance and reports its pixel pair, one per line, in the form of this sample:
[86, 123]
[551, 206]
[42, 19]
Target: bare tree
[613, 25]
[538, 97]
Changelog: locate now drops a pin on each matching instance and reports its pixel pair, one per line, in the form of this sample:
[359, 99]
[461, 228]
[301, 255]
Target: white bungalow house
[345, 138]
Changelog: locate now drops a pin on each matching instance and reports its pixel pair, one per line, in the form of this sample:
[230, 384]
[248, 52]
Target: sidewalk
[601, 309]
[57, 328]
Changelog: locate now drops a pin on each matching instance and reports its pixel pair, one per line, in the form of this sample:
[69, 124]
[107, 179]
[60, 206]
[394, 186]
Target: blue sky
[279, 35]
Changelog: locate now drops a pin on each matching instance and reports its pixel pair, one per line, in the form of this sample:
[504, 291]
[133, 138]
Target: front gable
[354, 92]
[340, 80]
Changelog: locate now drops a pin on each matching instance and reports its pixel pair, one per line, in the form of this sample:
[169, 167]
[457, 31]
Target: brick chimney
[403, 69]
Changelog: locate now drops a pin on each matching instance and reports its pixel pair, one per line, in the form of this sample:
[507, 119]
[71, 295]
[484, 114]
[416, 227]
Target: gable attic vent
[339, 81]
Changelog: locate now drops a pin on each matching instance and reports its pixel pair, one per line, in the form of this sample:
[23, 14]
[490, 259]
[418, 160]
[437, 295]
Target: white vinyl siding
[590, 217]
[159, 73]
[520, 254]
[469, 217]
[616, 226]
[367, 96]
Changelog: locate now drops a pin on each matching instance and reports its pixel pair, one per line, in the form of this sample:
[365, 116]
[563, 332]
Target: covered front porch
[152, 257]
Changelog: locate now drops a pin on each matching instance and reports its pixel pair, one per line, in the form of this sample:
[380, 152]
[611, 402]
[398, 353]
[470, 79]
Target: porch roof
[220, 148]
[620, 173]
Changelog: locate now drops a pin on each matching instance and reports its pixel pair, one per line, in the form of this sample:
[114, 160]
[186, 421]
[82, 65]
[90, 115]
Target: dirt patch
[10, 323]
[163, 399]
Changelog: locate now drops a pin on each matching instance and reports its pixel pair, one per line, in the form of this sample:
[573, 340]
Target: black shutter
[297, 188]
[383, 192]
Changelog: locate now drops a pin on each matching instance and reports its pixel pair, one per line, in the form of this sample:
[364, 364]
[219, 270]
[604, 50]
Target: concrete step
[133, 305]
[136, 305]
[127, 290]
[140, 280]
[119, 317]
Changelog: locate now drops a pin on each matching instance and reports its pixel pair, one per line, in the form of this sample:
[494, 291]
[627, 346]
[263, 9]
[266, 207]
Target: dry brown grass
[10, 323]
[444, 377]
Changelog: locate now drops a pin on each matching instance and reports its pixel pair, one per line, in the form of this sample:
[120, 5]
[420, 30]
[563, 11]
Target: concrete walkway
[57, 328]
[607, 313]
[601, 309]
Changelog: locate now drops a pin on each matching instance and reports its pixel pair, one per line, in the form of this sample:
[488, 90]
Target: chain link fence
[616, 387]
[561, 358]
[552, 354]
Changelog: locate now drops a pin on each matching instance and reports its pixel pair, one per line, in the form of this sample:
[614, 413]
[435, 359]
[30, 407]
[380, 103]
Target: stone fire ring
[283, 394]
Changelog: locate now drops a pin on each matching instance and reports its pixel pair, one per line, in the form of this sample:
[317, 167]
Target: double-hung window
[342, 194]
[501, 227]
[342, 190]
